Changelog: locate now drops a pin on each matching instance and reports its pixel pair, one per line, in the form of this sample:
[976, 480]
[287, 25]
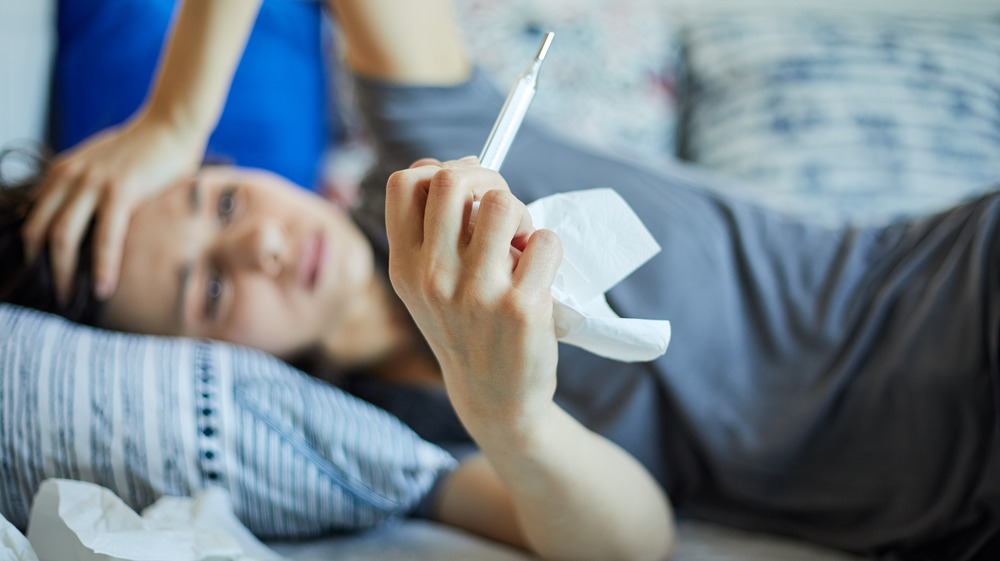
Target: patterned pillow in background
[609, 78]
[842, 117]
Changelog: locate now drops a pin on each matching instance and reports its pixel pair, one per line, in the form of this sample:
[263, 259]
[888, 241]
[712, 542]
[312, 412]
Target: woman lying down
[837, 385]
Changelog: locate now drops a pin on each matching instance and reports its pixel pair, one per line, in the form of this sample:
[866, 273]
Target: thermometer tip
[545, 45]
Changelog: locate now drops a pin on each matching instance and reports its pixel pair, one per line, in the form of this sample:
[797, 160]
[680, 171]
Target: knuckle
[436, 285]
[515, 307]
[425, 162]
[90, 176]
[446, 179]
[498, 181]
[61, 169]
[500, 197]
[499, 201]
[398, 180]
[111, 185]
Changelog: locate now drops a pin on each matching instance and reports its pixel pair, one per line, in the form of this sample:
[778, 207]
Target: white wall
[27, 47]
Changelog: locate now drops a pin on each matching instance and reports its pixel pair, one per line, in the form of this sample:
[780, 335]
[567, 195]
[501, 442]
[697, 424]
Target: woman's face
[243, 256]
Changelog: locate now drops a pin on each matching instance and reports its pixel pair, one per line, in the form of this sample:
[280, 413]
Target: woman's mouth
[311, 262]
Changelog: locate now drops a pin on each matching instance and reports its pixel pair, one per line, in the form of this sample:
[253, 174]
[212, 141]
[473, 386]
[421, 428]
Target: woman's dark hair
[31, 284]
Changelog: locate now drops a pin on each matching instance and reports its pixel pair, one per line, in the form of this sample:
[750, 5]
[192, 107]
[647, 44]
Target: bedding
[150, 416]
[846, 117]
[419, 540]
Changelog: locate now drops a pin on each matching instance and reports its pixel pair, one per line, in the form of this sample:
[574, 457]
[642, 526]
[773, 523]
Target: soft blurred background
[861, 110]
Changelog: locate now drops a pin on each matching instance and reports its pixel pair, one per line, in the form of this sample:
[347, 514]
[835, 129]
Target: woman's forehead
[162, 240]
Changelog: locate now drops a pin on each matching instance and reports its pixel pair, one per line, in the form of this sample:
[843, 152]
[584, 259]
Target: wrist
[183, 125]
[524, 434]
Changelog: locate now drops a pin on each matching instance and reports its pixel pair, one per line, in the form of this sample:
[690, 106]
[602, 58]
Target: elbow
[656, 546]
[661, 547]
[670, 547]
[661, 544]
[665, 548]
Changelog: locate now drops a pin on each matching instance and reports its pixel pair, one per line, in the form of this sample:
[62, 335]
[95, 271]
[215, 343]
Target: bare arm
[107, 175]
[568, 494]
[544, 481]
[415, 42]
[204, 49]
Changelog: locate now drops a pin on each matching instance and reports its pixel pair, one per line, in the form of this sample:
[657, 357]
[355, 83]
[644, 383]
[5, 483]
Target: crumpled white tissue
[603, 242]
[73, 520]
[13, 545]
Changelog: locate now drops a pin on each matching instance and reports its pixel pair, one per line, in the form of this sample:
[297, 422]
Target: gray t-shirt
[834, 384]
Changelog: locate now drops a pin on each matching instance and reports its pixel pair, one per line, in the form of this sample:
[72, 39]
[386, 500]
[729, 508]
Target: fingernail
[102, 289]
[469, 160]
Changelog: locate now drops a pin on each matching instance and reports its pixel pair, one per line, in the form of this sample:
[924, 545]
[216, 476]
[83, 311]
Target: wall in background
[27, 46]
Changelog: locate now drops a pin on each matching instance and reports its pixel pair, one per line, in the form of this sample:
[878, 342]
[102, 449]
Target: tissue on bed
[86, 522]
[603, 242]
[13, 545]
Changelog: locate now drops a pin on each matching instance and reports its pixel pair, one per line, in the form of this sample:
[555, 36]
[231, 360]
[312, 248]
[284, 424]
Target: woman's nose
[262, 246]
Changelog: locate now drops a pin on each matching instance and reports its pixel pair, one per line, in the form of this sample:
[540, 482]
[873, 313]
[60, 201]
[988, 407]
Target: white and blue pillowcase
[150, 416]
[846, 117]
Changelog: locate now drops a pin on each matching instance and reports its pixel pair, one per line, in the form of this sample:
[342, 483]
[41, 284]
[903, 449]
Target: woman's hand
[482, 298]
[480, 295]
[105, 178]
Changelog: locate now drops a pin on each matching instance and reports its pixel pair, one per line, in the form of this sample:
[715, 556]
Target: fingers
[407, 193]
[67, 232]
[536, 270]
[49, 198]
[425, 162]
[405, 200]
[449, 202]
[428, 207]
[112, 226]
[62, 212]
[502, 218]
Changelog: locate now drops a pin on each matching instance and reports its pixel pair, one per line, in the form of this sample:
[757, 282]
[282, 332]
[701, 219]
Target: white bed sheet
[417, 540]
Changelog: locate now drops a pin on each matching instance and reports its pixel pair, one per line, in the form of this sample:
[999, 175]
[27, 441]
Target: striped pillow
[151, 416]
[846, 117]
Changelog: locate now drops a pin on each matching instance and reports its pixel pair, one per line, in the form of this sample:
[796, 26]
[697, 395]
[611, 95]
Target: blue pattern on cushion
[847, 117]
[151, 416]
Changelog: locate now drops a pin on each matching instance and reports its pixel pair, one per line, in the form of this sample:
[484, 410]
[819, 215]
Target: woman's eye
[213, 295]
[227, 205]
